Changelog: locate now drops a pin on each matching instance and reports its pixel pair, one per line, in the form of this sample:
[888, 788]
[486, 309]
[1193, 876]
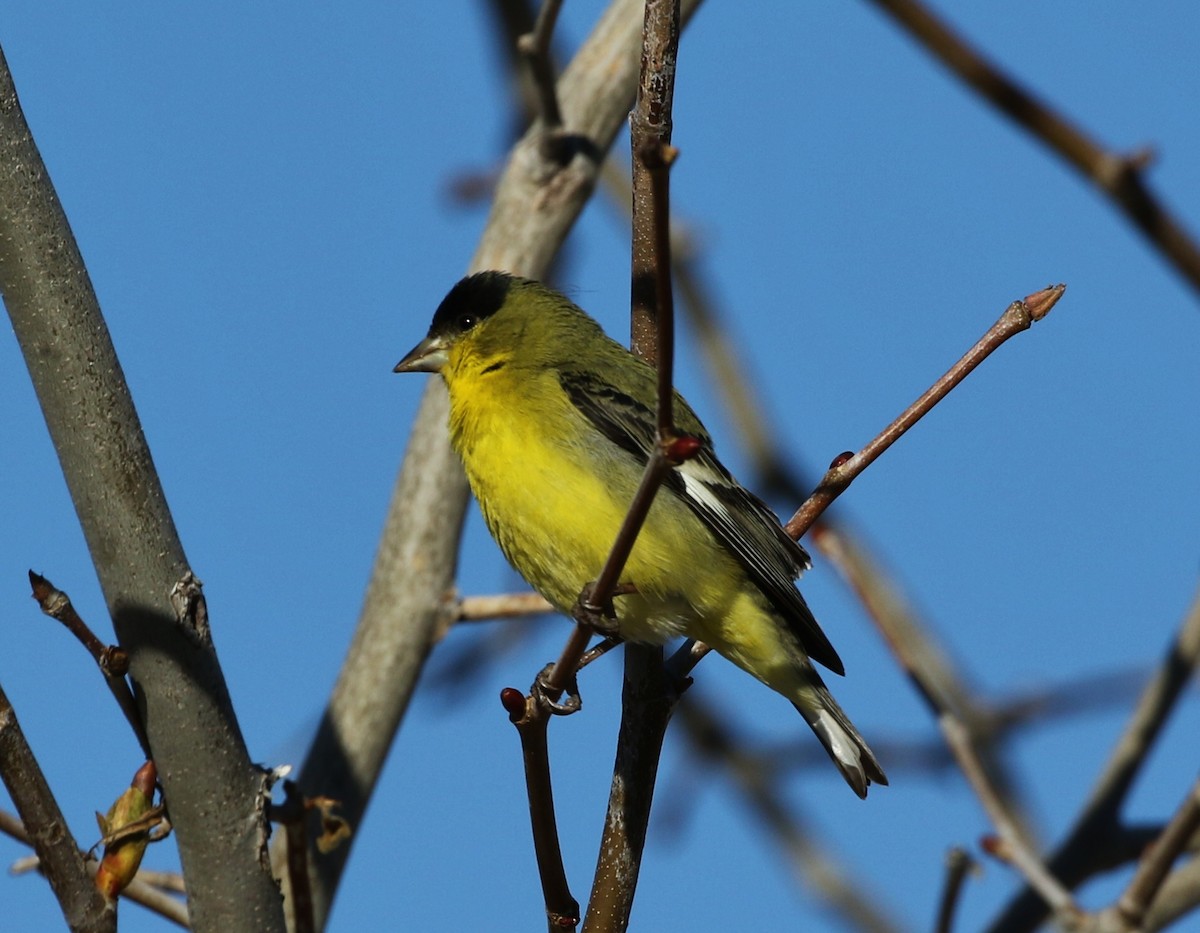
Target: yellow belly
[554, 494]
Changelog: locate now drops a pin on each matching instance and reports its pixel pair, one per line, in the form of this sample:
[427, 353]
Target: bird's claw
[599, 616]
[546, 693]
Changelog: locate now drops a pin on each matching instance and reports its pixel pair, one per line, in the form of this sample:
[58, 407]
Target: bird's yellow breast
[554, 493]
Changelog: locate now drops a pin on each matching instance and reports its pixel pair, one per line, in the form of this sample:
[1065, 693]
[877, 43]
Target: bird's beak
[428, 356]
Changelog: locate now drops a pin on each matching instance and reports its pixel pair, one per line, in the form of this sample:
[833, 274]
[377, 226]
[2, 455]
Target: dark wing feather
[737, 518]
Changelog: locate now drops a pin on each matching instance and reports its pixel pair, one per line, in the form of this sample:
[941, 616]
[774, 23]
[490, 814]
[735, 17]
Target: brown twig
[536, 203]
[1079, 855]
[505, 606]
[83, 907]
[1120, 177]
[1019, 316]
[535, 47]
[649, 694]
[112, 660]
[959, 865]
[531, 721]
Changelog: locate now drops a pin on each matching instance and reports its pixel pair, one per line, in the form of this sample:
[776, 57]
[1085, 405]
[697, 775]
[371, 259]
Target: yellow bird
[554, 423]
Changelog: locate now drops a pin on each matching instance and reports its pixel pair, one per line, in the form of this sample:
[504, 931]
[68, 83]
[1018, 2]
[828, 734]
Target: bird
[554, 422]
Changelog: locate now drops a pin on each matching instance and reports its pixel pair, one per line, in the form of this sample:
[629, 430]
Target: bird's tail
[833, 727]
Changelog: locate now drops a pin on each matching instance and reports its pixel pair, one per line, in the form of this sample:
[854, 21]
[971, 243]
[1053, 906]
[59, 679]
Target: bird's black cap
[472, 300]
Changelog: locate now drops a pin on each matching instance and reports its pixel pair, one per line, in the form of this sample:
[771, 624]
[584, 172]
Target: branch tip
[1040, 302]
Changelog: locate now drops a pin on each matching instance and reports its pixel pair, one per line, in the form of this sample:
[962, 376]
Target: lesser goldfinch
[554, 423]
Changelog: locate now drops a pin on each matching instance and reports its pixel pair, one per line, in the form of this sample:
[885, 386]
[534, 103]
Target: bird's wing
[737, 518]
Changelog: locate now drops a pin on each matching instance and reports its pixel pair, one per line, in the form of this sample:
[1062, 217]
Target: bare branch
[507, 606]
[1086, 847]
[1135, 901]
[535, 46]
[562, 909]
[1019, 316]
[207, 776]
[1117, 176]
[1012, 847]
[112, 661]
[649, 693]
[84, 909]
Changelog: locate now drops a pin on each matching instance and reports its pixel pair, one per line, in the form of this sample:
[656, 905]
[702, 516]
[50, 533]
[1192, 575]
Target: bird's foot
[548, 694]
[600, 616]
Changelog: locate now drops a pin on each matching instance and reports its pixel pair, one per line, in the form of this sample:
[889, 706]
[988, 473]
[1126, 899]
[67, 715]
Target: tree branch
[649, 693]
[83, 907]
[1119, 177]
[1083, 851]
[215, 793]
[1019, 316]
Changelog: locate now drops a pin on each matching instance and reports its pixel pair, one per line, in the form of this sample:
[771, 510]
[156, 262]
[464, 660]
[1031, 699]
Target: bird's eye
[466, 321]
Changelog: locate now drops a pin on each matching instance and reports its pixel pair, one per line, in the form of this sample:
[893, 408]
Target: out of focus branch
[1134, 903]
[1081, 854]
[959, 865]
[1119, 177]
[759, 780]
[506, 606]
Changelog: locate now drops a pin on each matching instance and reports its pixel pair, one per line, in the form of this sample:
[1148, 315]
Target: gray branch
[212, 789]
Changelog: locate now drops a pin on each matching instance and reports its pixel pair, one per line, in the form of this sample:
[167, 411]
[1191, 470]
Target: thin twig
[531, 721]
[82, 905]
[112, 660]
[959, 865]
[535, 46]
[535, 205]
[505, 606]
[1120, 177]
[1019, 316]
[648, 694]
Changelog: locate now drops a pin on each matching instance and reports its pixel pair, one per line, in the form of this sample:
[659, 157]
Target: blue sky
[261, 195]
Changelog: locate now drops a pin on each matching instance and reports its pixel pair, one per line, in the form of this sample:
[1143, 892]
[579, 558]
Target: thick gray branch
[210, 785]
